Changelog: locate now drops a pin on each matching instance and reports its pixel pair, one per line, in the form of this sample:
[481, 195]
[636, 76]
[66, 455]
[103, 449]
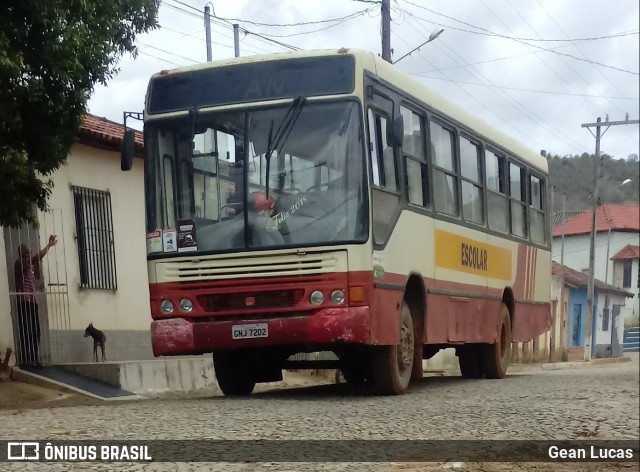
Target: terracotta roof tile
[625, 218]
[627, 252]
[105, 131]
[581, 280]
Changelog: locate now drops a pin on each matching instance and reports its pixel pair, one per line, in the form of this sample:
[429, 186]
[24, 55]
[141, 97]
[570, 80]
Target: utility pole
[207, 30]
[594, 208]
[563, 314]
[386, 30]
[236, 39]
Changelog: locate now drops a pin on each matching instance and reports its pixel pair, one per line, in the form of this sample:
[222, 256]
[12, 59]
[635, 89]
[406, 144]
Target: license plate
[248, 331]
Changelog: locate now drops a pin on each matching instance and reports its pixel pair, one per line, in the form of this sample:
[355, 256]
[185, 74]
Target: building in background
[617, 226]
[608, 326]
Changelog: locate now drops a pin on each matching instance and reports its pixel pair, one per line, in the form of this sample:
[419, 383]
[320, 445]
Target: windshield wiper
[275, 143]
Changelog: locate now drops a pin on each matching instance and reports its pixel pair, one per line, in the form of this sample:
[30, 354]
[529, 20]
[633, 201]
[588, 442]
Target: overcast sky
[539, 97]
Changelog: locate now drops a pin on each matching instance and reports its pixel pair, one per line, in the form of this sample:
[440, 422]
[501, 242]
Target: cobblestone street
[597, 402]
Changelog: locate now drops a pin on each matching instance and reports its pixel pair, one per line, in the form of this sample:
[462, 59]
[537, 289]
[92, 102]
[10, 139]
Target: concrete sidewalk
[573, 365]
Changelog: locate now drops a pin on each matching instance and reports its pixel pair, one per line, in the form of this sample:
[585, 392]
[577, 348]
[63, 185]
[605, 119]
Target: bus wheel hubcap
[405, 348]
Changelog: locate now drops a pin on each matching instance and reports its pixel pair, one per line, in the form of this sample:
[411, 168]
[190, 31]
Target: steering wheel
[231, 205]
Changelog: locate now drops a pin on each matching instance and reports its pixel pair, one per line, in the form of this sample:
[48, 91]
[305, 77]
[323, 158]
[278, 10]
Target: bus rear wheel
[234, 373]
[497, 357]
[392, 365]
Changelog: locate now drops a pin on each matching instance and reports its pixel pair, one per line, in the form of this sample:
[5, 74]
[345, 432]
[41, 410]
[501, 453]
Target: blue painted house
[607, 330]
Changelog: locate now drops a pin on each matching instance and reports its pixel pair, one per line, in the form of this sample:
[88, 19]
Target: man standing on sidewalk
[28, 317]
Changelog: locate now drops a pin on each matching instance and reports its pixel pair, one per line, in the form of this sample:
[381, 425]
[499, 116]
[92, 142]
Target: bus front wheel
[233, 373]
[497, 357]
[392, 365]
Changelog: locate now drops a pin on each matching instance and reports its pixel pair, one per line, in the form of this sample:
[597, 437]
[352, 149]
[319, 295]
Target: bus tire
[392, 365]
[497, 356]
[234, 375]
[471, 362]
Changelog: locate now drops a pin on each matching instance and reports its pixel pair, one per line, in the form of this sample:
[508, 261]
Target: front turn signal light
[356, 294]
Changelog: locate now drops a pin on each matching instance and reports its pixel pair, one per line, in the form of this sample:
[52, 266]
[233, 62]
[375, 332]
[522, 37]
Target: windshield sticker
[169, 240]
[275, 221]
[154, 241]
[187, 236]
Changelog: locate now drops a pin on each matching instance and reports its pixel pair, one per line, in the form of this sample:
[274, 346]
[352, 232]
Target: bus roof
[403, 81]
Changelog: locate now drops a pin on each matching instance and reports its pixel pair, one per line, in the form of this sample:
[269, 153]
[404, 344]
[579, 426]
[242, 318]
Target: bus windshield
[291, 175]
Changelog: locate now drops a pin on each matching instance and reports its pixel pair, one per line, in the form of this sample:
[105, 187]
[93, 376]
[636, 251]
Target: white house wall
[576, 256]
[603, 338]
[123, 314]
[632, 309]
[576, 251]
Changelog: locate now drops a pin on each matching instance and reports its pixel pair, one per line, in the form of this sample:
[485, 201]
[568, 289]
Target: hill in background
[573, 175]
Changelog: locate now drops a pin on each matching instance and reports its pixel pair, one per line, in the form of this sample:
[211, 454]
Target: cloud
[538, 120]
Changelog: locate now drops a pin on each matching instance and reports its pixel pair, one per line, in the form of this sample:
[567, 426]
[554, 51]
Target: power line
[523, 90]
[564, 60]
[244, 30]
[475, 99]
[492, 33]
[169, 52]
[615, 86]
[511, 100]
[270, 35]
[159, 58]
[303, 23]
[519, 41]
[488, 60]
[194, 35]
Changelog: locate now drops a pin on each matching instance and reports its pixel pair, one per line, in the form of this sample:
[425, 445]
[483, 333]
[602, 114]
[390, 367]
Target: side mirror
[395, 131]
[128, 149]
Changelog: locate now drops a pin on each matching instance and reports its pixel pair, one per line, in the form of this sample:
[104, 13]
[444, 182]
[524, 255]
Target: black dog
[98, 340]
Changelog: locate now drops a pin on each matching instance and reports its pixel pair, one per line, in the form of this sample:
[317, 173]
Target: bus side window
[445, 179]
[536, 210]
[384, 204]
[383, 163]
[496, 192]
[414, 154]
[470, 170]
[518, 199]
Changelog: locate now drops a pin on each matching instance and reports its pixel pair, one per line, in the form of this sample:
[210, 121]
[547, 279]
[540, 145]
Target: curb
[35, 379]
[584, 364]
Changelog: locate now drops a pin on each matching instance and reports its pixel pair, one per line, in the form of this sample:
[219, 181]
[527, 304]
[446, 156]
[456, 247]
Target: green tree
[52, 53]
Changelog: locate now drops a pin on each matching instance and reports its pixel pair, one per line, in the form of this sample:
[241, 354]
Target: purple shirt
[25, 279]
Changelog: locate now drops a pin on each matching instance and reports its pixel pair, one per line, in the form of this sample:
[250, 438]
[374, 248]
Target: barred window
[94, 237]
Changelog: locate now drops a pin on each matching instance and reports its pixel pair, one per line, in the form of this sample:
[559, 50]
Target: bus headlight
[186, 305]
[337, 297]
[316, 297]
[166, 307]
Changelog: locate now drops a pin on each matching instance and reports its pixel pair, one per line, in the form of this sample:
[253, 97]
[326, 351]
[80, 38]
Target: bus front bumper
[180, 336]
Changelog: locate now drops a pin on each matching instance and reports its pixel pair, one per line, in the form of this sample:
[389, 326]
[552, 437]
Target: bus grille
[272, 265]
[236, 301]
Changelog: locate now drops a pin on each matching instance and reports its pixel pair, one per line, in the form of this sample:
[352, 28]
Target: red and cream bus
[326, 201]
